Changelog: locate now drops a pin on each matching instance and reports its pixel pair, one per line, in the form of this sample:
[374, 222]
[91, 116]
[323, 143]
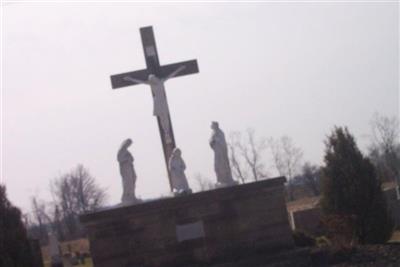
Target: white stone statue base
[220, 185]
[129, 202]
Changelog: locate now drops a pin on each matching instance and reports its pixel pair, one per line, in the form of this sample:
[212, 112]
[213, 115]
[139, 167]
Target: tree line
[248, 153]
[73, 193]
[349, 183]
[77, 192]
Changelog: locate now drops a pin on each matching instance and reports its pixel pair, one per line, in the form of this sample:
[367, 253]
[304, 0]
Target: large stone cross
[155, 75]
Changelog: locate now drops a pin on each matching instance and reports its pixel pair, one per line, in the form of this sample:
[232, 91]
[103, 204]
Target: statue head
[152, 79]
[176, 152]
[214, 125]
[126, 143]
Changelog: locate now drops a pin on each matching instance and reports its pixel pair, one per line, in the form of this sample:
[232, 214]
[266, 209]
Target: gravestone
[203, 227]
[393, 204]
[54, 249]
[307, 220]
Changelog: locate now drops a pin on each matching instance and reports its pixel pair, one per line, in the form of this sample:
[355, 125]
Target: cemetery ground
[362, 255]
[69, 248]
[320, 253]
[367, 255]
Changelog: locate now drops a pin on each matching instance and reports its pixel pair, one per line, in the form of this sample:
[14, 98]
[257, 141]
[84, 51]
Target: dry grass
[81, 245]
[396, 237]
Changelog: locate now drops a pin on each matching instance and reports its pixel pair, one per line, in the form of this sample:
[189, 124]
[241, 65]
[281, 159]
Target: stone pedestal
[205, 227]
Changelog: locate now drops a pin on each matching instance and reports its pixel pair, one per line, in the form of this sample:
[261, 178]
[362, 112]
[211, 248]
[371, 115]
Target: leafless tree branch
[287, 158]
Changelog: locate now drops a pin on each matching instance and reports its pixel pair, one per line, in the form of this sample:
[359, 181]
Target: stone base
[205, 227]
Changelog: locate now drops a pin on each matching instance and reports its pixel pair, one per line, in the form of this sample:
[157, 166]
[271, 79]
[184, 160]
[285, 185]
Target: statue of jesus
[160, 108]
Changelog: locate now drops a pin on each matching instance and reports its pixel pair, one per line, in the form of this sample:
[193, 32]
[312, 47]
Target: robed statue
[127, 171]
[221, 160]
[177, 168]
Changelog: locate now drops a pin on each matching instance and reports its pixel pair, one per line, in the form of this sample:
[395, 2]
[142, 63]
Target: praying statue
[221, 160]
[177, 167]
[127, 171]
[160, 108]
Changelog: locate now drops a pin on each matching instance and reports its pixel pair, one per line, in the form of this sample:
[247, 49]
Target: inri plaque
[189, 231]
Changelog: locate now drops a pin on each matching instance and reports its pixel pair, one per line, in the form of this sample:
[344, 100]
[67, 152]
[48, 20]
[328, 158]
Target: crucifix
[156, 75]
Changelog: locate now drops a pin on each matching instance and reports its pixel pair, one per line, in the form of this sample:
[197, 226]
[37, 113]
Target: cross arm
[119, 80]
[187, 67]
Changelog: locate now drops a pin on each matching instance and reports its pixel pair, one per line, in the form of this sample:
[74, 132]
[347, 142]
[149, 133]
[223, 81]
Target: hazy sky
[293, 69]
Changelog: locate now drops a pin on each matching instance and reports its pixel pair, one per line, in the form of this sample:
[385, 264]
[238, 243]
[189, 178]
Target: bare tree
[252, 152]
[385, 146]
[77, 192]
[287, 158]
[310, 177]
[238, 169]
[246, 155]
[203, 183]
[40, 219]
[74, 193]
[385, 132]
[57, 223]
